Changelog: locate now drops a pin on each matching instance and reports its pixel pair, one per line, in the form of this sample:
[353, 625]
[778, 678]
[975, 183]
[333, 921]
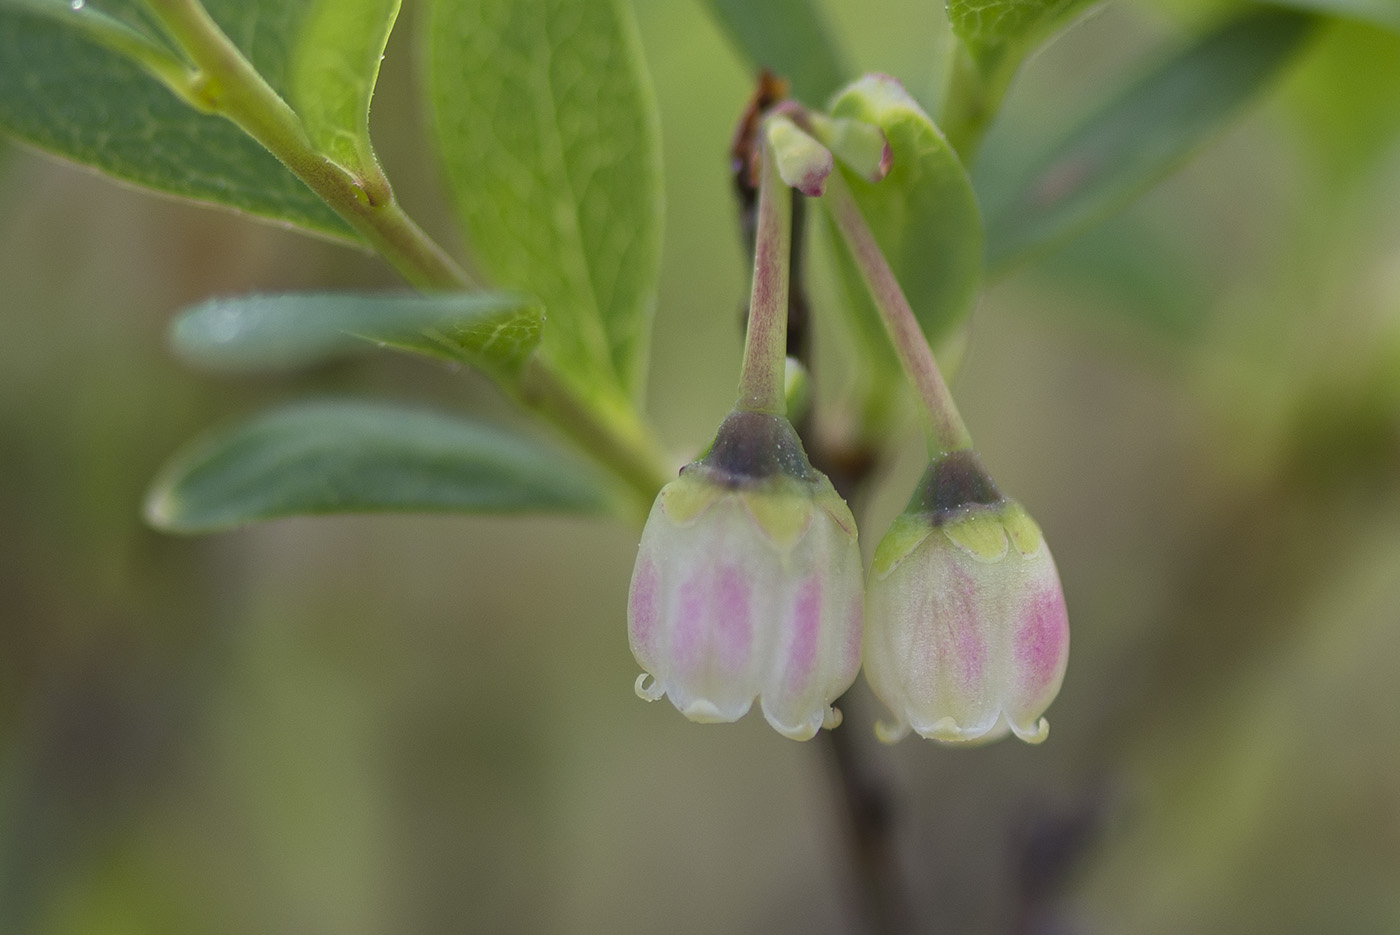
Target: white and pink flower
[748, 585]
[966, 635]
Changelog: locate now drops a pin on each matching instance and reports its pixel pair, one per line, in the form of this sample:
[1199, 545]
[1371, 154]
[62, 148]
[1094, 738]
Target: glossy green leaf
[1143, 134]
[491, 331]
[1380, 12]
[923, 214]
[64, 93]
[788, 37]
[550, 143]
[333, 71]
[339, 456]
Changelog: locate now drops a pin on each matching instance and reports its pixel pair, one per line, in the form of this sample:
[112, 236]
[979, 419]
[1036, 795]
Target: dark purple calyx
[755, 446]
[951, 485]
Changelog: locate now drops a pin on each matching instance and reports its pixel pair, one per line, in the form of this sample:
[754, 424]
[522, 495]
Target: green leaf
[63, 92]
[550, 143]
[923, 214]
[1379, 12]
[1344, 94]
[333, 72]
[492, 331]
[1001, 31]
[996, 36]
[789, 38]
[1143, 134]
[341, 456]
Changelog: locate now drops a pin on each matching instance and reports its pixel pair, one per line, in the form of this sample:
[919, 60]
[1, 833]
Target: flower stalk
[942, 422]
[763, 375]
[966, 635]
[748, 581]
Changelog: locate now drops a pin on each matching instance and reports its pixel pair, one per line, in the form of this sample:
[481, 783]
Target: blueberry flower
[966, 632]
[748, 585]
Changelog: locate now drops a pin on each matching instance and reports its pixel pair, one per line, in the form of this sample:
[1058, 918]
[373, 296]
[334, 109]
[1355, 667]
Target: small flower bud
[748, 584]
[966, 632]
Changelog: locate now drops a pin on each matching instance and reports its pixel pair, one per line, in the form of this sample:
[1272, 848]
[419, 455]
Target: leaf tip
[161, 508]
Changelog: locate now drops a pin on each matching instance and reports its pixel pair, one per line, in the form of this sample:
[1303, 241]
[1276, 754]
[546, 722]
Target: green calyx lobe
[753, 448]
[958, 498]
[758, 458]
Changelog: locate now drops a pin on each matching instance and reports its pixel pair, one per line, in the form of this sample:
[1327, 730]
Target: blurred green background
[423, 724]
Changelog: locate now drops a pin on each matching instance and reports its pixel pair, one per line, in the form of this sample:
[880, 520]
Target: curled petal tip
[703, 711]
[1036, 733]
[800, 732]
[891, 731]
[648, 692]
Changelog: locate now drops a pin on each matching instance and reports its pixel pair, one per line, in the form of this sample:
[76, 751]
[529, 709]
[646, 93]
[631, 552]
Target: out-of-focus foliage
[1141, 135]
[343, 456]
[788, 37]
[426, 724]
[492, 331]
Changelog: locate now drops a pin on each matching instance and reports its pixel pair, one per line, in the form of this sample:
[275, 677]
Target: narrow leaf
[923, 213]
[362, 457]
[550, 143]
[1384, 13]
[333, 71]
[491, 331]
[1143, 134]
[65, 93]
[789, 38]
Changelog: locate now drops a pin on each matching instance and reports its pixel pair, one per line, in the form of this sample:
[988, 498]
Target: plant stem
[765, 343]
[224, 82]
[945, 428]
[966, 107]
[870, 825]
[621, 443]
[972, 100]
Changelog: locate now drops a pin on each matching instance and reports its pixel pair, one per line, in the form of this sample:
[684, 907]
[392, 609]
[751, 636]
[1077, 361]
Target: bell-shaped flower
[748, 584]
[966, 635]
